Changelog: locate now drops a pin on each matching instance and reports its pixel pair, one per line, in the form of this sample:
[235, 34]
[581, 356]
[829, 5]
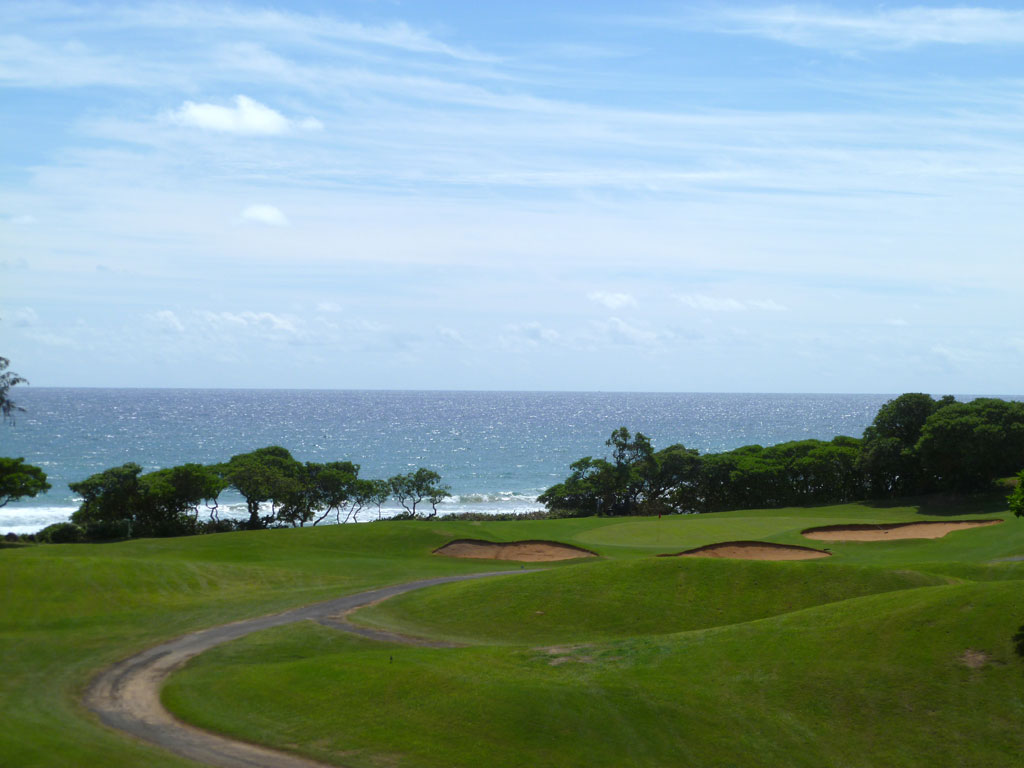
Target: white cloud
[622, 332]
[768, 305]
[24, 317]
[50, 339]
[247, 116]
[711, 303]
[817, 27]
[726, 304]
[529, 334]
[166, 320]
[450, 334]
[330, 307]
[268, 319]
[266, 214]
[256, 323]
[612, 300]
[897, 322]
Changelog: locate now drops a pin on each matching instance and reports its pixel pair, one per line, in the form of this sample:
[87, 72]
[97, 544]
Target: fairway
[894, 652]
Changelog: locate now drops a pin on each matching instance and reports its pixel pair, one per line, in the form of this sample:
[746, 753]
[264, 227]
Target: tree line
[279, 491]
[916, 445]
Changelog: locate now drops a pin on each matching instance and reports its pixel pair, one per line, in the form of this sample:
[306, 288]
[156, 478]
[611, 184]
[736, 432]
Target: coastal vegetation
[279, 491]
[915, 445]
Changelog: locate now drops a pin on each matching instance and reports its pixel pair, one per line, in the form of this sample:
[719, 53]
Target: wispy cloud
[299, 27]
[820, 27]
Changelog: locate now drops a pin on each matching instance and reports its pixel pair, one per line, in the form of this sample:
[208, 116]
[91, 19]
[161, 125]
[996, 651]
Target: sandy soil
[753, 550]
[522, 551]
[933, 530]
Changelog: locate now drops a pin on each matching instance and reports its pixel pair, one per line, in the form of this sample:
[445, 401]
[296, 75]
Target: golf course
[881, 650]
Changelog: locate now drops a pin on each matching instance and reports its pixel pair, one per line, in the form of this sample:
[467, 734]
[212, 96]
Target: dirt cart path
[126, 696]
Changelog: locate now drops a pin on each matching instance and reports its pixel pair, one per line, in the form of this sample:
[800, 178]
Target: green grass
[872, 681]
[66, 611]
[614, 599]
[847, 661]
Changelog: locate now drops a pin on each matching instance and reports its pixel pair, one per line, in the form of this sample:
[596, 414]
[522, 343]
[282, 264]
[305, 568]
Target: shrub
[61, 533]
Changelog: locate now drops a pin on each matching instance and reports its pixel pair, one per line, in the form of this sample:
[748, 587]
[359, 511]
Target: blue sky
[586, 196]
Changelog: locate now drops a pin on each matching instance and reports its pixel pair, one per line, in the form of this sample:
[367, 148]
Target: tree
[171, 499]
[412, 488]
[378, 492]
[635, 467]
[676, 480]
[965, 446]
[592, 488]
[8, 380]
[111, 498]
[19, 480]
[889, 456]
[327, 488]
[266, 474]
[1016, 498]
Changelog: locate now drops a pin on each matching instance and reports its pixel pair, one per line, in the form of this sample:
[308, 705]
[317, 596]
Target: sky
[642, 196]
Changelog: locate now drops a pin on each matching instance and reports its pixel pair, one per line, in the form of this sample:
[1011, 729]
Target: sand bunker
[867, 532]
[753, 550]
[523, 551]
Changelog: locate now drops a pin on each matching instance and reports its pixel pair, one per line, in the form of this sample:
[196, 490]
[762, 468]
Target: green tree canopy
[266, 474]
[889, 455]
[19, 480]
[965, 446]
[413, 488]
[1016, 499]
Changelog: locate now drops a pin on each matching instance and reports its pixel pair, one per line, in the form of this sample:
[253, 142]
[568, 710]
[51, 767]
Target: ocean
[497, 450]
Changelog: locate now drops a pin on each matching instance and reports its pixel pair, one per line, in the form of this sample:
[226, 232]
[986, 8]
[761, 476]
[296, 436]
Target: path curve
[126, 696]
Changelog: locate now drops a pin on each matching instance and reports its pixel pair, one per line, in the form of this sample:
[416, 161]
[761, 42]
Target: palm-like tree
[8, 379]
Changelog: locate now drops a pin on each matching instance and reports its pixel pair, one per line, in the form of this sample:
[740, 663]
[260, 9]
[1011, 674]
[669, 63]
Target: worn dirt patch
[891, 531]
[562, 654]
[753, 550]
[522, 551]
[974, 659]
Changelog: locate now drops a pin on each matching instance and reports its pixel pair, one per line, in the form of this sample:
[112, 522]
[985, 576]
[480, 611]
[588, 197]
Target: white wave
[32, 519]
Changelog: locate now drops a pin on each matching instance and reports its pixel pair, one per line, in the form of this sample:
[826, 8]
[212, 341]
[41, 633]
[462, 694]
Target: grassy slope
[70, 610]
[868, 682]
[871, 679]
[612, 599]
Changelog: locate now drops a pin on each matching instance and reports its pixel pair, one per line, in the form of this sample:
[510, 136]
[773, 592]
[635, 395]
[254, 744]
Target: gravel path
[126, 696]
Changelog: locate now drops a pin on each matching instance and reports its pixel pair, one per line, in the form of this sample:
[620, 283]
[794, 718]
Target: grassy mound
[911, 678]
[612, 599]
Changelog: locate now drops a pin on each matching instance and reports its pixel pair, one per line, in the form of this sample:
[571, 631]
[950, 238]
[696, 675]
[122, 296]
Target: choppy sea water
[497, 450]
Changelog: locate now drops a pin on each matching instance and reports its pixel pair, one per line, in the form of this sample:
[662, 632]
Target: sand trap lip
[522, 551]
[890, 531]
[753, 550]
